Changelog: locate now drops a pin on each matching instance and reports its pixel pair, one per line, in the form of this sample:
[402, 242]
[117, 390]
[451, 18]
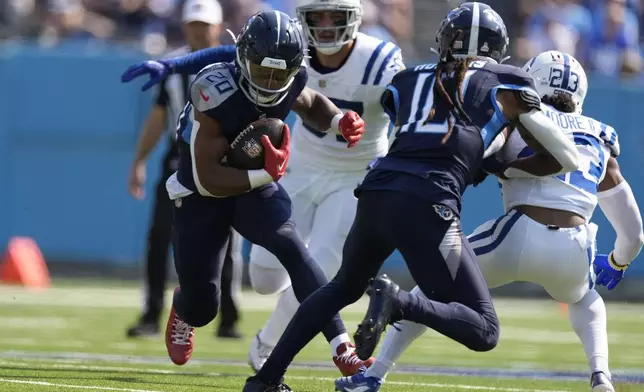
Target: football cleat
[599, 382]
[179, 337]
[348, 362]
[254, 384]
[383, 305]
[359, 382]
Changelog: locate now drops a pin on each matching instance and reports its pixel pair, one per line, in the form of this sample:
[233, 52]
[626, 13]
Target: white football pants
[323, 210]
[516, 248]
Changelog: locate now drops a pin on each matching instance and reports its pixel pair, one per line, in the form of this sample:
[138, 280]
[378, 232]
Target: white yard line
[50, 384]
[128, 297]
[211, 374]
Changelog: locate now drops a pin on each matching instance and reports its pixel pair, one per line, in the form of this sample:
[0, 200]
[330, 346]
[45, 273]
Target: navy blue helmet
[270, 51]
[473, 29]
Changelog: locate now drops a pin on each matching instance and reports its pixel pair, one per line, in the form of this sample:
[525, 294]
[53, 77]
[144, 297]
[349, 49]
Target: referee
[201, 27]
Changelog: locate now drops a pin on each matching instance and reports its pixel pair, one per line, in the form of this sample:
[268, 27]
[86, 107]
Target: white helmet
[344, 33]
[559, 73]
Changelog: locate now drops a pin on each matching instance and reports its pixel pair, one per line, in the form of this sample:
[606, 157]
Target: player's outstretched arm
[159, 70]
[618, 203]
[196, 61]
[523, 108]
[319, 112]
[208, 146]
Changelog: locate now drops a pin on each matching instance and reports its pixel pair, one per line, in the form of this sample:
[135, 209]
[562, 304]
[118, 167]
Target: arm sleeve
[194, 62]
[620, 207]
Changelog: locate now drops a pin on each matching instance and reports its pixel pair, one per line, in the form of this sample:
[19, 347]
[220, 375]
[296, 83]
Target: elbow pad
[551, 138]
[621, 210]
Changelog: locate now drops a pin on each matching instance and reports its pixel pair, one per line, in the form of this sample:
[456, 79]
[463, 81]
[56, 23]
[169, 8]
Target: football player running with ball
[352, 69]
[266, 80]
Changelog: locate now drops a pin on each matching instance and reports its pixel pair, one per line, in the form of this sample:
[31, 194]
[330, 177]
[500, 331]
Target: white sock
[395, 343]
[337, 341]
[588, 319]
[284, 311]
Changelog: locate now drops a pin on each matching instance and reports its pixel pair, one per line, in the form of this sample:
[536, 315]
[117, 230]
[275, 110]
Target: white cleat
[258, 353]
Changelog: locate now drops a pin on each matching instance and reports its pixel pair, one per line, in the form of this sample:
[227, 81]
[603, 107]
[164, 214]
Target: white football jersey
[574, 191]
[356, 86]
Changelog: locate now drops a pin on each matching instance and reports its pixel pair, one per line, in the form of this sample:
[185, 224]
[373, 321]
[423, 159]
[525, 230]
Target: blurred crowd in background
[603, 34]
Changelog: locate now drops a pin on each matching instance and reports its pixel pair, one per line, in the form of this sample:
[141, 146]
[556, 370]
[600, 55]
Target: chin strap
[232, 35]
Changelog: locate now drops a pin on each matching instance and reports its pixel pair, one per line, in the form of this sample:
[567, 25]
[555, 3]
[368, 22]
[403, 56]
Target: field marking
[620, 375]
[214, 374]
[132, 298]
[50, 384]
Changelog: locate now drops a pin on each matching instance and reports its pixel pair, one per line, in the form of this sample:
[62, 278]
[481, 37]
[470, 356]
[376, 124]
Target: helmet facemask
[330, 39]
[267, 83]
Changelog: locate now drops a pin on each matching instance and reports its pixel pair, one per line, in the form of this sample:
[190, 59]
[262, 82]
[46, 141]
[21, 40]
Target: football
[247, 151]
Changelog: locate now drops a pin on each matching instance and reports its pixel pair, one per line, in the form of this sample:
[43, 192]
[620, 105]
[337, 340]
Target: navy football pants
[200, 235]
[439, 258]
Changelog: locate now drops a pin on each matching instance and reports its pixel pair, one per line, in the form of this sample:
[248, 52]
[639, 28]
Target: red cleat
[179, 338]
[348, 362]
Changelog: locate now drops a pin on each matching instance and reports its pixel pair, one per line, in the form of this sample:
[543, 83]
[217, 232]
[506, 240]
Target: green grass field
[72, 338]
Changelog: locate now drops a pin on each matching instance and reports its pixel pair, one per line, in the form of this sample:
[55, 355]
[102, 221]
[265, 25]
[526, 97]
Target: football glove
[490, 165]
[351, 126]
[157, 70]
[608, 272]
[276, 160]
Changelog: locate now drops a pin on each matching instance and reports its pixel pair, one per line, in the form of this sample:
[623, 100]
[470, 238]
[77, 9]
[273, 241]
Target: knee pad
[197, 306]
[268, 280]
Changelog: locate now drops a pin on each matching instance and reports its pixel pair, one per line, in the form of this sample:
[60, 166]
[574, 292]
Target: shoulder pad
[410, 72]
[393, 66]
[609, 136]
[384, 61]
[513, 77]
[212, 86]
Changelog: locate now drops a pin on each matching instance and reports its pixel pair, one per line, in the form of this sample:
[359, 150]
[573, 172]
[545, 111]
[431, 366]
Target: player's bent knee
[488, 337]
[487, 342]
[199, 306]
[268, 281]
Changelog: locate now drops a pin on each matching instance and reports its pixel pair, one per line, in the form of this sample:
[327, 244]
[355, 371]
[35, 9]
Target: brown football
[247, 151]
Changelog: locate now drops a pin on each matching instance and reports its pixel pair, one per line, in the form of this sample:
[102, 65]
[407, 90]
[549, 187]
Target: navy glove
[158, 71]
[608, 272]
[490, 165]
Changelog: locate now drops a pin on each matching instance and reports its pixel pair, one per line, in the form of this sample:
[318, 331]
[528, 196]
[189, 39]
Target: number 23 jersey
[575, 191]
[438, 165]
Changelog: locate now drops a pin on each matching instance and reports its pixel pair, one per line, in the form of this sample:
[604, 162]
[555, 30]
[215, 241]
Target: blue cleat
[358, 383]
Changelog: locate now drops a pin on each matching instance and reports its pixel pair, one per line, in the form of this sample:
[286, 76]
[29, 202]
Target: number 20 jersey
[575, 191]
[356, 86]
[436, 167]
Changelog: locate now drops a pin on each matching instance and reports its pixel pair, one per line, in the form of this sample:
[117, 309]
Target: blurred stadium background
[69, 128]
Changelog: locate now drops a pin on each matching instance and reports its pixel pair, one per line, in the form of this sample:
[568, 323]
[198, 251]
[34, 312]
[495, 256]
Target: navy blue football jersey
[419, 160]
[215, 92]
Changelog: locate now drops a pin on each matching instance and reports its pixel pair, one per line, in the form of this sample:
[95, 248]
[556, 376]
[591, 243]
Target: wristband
[257, 178]
[613, 263]
[335, 121]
